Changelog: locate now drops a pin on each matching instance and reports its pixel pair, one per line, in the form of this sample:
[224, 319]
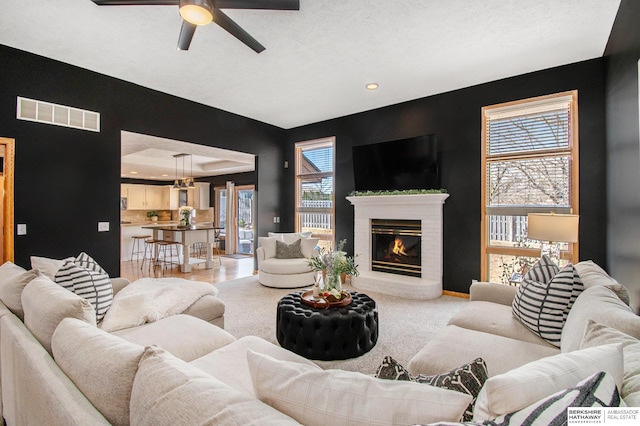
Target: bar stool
[163, 248]
[149, 252]
[137, 249]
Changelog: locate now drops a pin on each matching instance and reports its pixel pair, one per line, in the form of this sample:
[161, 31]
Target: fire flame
[398, 247]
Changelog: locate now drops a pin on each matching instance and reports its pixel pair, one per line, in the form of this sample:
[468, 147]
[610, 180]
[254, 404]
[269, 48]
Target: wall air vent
[59, 115]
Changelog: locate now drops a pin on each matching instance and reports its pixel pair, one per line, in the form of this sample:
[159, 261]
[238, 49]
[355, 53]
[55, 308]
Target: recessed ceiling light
[165, 175]
[134, 173]
[372, 86]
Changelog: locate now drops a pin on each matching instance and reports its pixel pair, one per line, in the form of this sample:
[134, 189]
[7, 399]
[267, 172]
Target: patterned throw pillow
[543, 271]
[289, 251]
[542, 306]
[87, 279]
[598, 390]
[468, 378]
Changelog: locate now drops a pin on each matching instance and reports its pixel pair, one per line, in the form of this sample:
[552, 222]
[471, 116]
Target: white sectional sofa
[186, 371]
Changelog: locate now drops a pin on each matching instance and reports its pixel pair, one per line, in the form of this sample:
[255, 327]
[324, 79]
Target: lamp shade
[562, 228]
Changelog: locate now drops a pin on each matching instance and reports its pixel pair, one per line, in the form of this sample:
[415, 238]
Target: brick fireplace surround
[424, 207]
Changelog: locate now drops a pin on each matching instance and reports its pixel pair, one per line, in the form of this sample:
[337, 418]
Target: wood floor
[230, 269]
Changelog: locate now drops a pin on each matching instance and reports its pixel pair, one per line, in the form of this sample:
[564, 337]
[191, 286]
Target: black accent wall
[623, 148]
[456, 120]
[66, 180]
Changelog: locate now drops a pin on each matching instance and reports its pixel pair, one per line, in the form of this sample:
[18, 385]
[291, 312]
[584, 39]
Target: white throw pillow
[592, 275]
[308, 246]
[335, 397]
[268, 244]
[168, 391]
[289, 237]
[47, 266]
[523, 386]
[597, 334]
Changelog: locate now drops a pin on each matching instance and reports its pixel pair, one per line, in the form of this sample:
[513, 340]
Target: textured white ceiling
[317, 60]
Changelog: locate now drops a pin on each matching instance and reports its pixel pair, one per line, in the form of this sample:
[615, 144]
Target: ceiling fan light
[196, 12]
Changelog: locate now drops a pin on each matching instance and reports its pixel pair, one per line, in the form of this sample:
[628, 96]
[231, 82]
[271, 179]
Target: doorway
[7, 163]
[244, 205]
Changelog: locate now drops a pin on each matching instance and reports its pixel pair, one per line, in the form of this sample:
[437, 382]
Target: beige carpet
[404, 326]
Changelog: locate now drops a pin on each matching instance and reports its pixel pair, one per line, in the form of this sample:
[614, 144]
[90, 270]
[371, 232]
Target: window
[530, 164]
[315, 190]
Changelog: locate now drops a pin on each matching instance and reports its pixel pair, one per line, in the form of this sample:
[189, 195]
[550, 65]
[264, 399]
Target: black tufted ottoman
[327, 334]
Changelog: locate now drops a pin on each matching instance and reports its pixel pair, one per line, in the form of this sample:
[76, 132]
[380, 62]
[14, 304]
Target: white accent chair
[282, 272]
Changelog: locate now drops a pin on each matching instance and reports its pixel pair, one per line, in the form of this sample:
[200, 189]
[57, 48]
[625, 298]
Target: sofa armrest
[260, 255]
[118, 284]
[491, 292]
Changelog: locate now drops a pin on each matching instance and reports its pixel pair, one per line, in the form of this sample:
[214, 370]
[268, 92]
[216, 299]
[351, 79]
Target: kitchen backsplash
[140, 216]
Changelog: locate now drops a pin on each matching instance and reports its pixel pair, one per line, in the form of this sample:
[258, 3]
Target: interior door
[7, 153]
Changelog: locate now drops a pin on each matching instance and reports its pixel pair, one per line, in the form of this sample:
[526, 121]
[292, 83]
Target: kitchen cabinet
[143, 197]
[198, 197]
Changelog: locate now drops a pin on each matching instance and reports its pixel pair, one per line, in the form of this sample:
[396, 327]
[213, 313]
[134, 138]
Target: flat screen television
[403, 164]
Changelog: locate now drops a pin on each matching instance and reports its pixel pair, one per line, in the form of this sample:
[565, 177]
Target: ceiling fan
[202, 12]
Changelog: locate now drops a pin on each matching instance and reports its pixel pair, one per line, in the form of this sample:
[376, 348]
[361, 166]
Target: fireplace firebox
[396, 247]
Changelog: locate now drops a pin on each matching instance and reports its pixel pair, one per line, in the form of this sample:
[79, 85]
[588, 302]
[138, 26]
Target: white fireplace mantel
[424, 207]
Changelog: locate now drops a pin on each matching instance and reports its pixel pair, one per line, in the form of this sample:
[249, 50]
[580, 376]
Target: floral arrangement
[333, 264]
[185, 212]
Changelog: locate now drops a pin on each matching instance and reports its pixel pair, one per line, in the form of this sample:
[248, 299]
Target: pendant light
[183, 184]
[176, 183]
[191, 184]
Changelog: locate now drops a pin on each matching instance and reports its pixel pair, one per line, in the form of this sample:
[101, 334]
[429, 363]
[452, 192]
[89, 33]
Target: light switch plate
[22, 229]
[103, 226]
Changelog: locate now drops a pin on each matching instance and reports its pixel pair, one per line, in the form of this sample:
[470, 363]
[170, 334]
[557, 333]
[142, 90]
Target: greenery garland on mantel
[398, 192]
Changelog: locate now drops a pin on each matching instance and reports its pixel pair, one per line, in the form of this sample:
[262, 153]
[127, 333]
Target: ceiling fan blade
[136, 2]
[186, 34]
[235, 30]
[258, 4]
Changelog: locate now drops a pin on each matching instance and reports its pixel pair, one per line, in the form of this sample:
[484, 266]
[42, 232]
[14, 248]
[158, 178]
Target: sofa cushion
[168, 391]
[314, 396]
[543, 307]
[88, 280]
[229, 363]
[591, 275]
[501, 354]
[468, 378]
[604, 307]
[288, 251]
[523, 386]
[169, 334]
[101, 365]
[13, 280]
[285, 266]
[598, 334]
[45, 304]
[501, 321]
[48, 266]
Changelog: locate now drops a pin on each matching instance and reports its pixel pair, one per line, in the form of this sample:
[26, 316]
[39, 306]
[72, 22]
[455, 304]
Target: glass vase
[332, 281]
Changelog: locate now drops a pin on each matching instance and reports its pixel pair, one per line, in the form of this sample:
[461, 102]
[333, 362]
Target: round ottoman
[327, 334]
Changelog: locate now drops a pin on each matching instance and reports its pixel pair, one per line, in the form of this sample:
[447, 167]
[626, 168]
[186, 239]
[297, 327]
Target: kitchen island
[186, 236]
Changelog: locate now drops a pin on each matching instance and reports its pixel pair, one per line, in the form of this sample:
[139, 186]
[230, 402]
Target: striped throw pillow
[543, 307]
[87, 262]
[598, 390]
[543, 271]
[94, 286]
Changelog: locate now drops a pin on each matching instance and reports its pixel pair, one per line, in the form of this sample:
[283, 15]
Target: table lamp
[552, 229]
